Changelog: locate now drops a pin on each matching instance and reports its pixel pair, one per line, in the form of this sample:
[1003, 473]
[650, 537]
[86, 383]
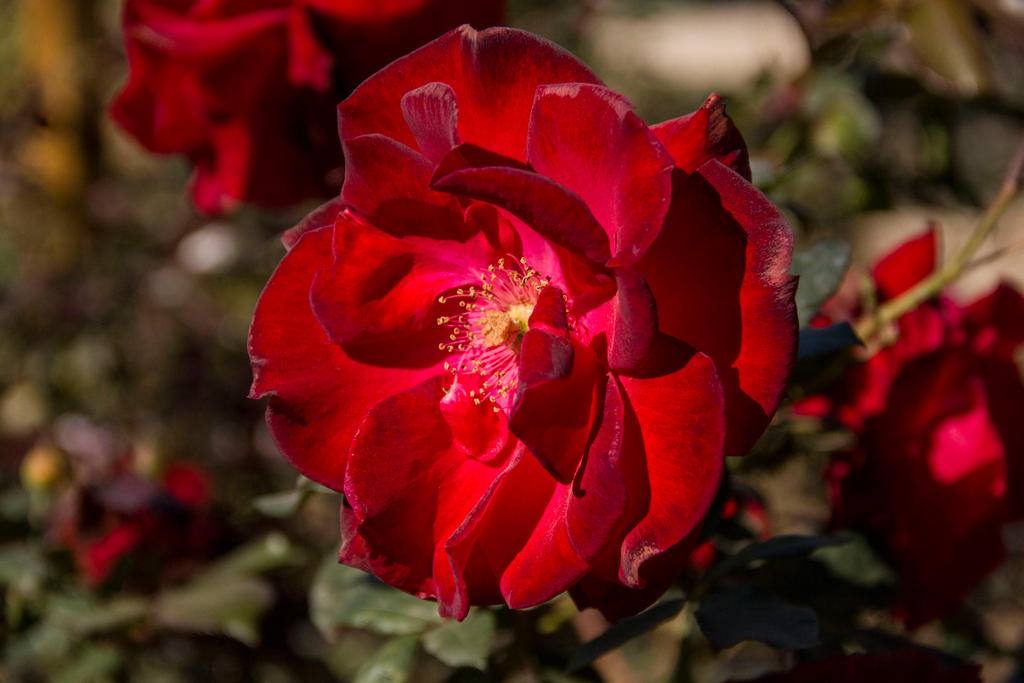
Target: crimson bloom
[939, 463]
[124, 514]
[526, 333]
[247, 88]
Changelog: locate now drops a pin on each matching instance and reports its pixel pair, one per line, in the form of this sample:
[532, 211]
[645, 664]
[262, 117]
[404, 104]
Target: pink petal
[433, 116]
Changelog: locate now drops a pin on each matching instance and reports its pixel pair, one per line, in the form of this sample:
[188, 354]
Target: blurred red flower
[909, 666]
[523, 338]
[939, 463]
[247, 89]
[105, 518]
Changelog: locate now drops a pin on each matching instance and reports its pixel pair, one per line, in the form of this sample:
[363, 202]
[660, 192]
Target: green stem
[891, 311]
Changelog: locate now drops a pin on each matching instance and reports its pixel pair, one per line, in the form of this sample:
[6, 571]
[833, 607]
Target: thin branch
[891, 311]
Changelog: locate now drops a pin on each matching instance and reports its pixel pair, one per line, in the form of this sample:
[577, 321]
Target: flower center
[488, 333]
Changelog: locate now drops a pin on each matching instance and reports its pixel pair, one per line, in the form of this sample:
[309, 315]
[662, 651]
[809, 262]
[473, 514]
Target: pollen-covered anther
[488, 331]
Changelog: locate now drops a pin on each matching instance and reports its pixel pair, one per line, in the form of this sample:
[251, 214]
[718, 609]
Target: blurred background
[150, 531]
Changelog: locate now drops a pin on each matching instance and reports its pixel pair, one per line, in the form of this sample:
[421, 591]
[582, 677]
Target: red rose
[908, 666]
[939, 464]
[247, 88]
[522, 339]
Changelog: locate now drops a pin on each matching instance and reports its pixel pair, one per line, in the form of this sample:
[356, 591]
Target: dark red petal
[433, 117]
[905, 266]
[309, 62]
[622, 172]
[494, 74]
[707, 133]
[722, 262]
[547, 207]
[1005, 397]
[387, 182]
[411, 489]
[635, 321]
[944, 536]
[683, 424]
[379, 298]
[321, 217]
[996, 321]
[616, 601]
[600, 490]
[555, 401]
[318, 396]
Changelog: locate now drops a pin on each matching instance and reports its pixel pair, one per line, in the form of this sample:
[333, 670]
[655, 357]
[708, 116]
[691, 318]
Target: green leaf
[751, 614]
[788, 545]
[231, 605]
[107, 616]
[821, 269]
[624, 631]
[342, 596]
[287, 503]
[282, 504]
[270, 552]
[466, 643]
[93, 664]
[857, 563]
[392, 663]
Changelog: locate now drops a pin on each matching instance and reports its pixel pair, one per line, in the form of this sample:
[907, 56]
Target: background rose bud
[247, 90]
[939, 464]
[526, 334]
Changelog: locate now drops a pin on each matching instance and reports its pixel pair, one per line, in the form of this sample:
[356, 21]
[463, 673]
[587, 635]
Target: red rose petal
[707, 133]
[682, 422]
[384, 305]
[555, 399]
[478, 430]
[409, 487]
[547, 563]
[905, 266]
[386, 182]
[616, 601]
[723, 261]
[600, 491]
[547, 207]
[997, 321]
[321, 217]
[623, 174]
[318, 396]
[494, 74]
[433, 117]
[635, 321]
